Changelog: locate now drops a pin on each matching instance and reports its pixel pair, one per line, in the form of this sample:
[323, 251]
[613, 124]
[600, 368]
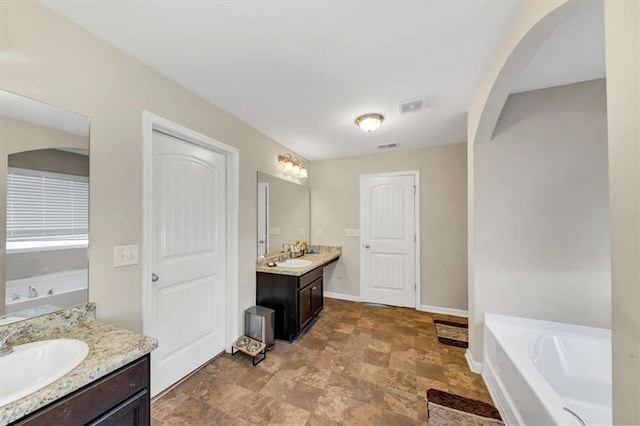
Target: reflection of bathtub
[69, 289]
[537, 369]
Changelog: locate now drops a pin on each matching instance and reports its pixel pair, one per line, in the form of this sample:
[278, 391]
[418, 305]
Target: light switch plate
[274, 231]
[301, 232]
[352, 232]
[319, 232]
[125, 255]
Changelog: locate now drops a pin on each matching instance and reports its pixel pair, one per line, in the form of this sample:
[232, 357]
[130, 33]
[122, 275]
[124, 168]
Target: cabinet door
[304, 303]
[91, 402]
[317, 302]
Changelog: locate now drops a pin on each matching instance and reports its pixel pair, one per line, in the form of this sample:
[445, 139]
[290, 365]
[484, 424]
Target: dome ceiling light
[369, 122]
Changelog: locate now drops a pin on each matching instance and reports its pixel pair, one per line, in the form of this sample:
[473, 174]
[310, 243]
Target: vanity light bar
[293, 165]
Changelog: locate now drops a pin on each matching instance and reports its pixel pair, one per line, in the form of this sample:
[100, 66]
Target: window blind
[46, 207]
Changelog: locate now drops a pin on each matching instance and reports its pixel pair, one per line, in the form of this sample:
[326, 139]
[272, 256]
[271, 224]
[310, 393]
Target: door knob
[366, 246]
[154, 278]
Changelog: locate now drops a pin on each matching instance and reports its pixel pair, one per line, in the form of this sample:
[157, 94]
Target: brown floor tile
[353, 388]
[333, 406]
[290, 415]
[364, 414]
[291, 392]
[386, 377]
[358, 364]
[188, 412]
[401, 403]
[315, 420]
[395, 419]
[433, 372]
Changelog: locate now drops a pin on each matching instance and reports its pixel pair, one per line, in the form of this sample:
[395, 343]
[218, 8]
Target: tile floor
[358, 364]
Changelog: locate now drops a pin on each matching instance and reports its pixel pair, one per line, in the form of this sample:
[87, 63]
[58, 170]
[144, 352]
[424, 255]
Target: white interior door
[263, 218]
[188, 258]
[388, 239]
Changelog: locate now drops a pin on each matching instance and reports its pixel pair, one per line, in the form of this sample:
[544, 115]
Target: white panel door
[263, 218]
[388, 269]
[188, 249]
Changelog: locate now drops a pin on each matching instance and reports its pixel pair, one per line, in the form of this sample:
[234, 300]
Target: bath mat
[452, 333]
[444, 409]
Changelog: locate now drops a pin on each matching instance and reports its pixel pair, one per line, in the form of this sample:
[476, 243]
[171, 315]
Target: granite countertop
[110, 348]
[317, 260]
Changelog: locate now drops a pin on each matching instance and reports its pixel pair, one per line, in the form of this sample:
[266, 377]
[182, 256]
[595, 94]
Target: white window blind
[46, 209]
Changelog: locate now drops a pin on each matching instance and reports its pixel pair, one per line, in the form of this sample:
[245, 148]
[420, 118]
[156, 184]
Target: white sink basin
[294, 263]
[35, 365]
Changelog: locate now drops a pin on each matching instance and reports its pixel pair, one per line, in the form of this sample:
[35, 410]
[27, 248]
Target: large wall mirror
[283, 213]
[45, 203]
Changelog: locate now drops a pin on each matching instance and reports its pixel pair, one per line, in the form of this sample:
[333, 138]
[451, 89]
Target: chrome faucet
[5, 349]
[33, 293]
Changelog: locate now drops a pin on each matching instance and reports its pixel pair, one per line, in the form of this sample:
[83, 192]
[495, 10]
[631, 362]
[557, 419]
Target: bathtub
[546, 373]
[69, 289]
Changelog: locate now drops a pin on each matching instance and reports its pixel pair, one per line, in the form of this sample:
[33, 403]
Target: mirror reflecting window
[45, 200]
[283, 213]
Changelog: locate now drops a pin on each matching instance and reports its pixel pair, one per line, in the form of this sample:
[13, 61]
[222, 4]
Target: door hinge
[414, 189]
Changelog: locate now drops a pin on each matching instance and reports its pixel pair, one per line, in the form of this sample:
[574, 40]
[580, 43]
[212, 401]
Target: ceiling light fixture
[369, 122]
[293, 165]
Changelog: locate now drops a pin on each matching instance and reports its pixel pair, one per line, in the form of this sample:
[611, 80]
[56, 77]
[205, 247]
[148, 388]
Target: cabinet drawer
[132, 412]
[93, 400]
[309, 277]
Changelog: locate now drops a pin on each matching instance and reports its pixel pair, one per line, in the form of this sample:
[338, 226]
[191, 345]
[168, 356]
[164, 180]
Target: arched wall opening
[561, 270]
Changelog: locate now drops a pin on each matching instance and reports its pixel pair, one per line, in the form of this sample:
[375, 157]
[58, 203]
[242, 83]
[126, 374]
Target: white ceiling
[301, 72]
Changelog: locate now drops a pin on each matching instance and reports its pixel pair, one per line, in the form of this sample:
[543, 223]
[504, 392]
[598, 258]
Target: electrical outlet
[274, 231]
[319, 232]
[125, 255]
[352, 232]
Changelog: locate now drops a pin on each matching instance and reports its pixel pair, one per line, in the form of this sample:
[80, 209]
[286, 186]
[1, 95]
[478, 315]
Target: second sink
[294, 263]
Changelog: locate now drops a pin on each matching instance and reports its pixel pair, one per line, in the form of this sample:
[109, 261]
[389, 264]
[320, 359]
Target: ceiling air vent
[411, 105]
[389, 145]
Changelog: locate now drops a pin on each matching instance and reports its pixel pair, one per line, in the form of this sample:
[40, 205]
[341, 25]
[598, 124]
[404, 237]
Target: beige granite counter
[325, 256]
[110, 348]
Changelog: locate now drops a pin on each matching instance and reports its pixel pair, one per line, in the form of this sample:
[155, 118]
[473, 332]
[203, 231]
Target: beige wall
[622, 33]
[47, 58]
[51, 160]
[335, 205]
[542, 238]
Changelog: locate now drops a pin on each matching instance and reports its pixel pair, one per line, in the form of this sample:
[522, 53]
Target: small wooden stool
[262, 350]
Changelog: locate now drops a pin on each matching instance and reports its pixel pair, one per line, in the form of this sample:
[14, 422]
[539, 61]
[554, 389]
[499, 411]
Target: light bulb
[369, 122]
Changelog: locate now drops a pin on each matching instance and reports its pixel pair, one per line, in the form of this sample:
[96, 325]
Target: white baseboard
[474, 366]
[444, 311]
[341, 296]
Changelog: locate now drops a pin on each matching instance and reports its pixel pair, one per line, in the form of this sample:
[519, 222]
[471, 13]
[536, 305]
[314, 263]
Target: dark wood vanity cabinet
[295, 300]
[120, 398]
